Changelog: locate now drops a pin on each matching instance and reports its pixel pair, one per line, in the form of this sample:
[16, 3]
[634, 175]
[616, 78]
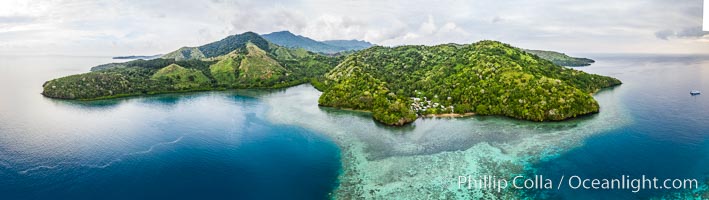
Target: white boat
[695, 92]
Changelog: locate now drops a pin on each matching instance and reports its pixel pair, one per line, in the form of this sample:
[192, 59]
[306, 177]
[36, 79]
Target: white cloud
[115, 27]
[428, 27]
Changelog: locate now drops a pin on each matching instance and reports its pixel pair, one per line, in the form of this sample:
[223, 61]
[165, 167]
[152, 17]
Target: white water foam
[101, 166]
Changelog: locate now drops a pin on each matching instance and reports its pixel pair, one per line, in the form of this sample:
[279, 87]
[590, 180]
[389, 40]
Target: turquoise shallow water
[276, 144]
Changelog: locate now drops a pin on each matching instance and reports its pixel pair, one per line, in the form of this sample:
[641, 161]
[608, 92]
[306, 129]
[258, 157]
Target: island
[396, 84]
[561, 58]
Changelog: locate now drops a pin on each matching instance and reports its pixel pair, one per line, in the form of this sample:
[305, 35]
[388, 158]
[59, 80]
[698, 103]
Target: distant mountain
[349, 44]
[561, 58]
[288, 39]
[138, 57]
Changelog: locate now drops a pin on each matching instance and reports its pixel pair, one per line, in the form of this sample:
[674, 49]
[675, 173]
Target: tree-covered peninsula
[238, 61]
[561, 58]
[396, 84]
[487, 78]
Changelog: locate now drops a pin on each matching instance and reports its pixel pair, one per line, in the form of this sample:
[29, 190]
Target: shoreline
[448, 115]
[444, 115]
[152, 93]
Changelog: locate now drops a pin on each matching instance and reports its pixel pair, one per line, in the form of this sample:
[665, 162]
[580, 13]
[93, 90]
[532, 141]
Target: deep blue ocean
[209, 145]
[221, 145]
[668, 136]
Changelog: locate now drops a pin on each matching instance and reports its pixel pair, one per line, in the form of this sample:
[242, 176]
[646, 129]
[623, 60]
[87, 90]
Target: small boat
[694, 92]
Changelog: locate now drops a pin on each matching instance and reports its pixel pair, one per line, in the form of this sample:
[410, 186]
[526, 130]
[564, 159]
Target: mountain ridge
[290, 40]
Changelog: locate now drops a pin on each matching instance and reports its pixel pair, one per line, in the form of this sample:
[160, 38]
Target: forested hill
[561, 58]
[238, 61]
[288, 39]
[221, 47]
[487, 78]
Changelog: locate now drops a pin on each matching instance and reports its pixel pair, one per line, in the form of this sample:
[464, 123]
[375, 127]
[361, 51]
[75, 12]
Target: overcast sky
[141, 27]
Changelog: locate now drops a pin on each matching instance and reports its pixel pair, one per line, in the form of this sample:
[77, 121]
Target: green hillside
[486, 78]
[224, 71]
[181, 78]
[185, 53]
[258, 67]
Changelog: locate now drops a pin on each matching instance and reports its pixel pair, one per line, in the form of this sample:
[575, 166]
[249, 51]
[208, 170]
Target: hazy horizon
[115, 28]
